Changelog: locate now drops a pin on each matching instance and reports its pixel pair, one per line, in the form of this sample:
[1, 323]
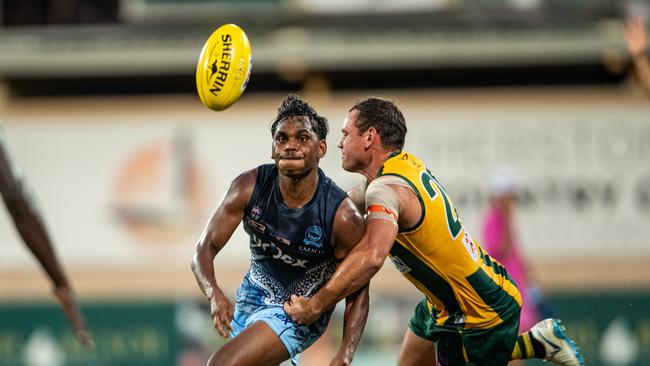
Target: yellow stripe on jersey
[465, 285]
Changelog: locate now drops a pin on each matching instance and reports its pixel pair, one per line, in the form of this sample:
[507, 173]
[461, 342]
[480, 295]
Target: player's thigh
[416, 351]
[257, 345]
[492, 347]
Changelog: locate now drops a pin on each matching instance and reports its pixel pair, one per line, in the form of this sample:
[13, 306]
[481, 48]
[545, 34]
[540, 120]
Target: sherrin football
[224, 67]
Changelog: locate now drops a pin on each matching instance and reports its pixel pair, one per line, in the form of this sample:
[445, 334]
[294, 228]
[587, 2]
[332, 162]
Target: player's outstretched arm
[349, 228]
[636, 36]
[363, 262]
[216, 234]
[31, 227]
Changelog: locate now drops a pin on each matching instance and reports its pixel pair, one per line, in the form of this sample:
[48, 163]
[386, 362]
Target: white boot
[560, 349]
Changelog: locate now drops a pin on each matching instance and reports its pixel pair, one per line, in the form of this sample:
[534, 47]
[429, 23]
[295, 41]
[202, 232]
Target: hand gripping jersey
[465, 285]
[291, 248]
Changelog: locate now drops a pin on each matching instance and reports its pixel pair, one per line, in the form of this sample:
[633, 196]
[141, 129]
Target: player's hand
[636, 36]
[76, 319]
[301, 310]
[221, 310]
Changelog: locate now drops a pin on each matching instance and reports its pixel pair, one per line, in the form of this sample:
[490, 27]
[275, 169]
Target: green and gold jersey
[462, 282]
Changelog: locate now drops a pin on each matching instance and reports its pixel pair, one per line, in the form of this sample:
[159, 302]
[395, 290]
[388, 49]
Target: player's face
[296, 147]
[354, 154]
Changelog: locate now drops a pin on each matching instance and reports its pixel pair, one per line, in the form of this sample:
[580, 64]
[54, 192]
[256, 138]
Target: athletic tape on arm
[382, 202]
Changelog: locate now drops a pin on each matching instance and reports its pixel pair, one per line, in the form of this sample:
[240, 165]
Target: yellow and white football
[224, 67]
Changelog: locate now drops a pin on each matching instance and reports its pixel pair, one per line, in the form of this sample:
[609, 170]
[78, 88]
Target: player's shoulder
[247, 175]
[348, 214]
[386, 181]
[244, 182]
[241, 189]
[390, 191]
[404, 165]
[258, 173]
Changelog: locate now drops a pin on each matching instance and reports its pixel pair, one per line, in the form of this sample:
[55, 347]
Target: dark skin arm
[349, 228]
[31, 227]
[363, 262]
[220, 227]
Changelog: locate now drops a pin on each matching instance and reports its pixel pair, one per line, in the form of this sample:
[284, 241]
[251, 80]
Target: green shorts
[455, 344]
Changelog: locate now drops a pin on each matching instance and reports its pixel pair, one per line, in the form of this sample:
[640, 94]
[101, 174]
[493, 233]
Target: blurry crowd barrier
[169, 333]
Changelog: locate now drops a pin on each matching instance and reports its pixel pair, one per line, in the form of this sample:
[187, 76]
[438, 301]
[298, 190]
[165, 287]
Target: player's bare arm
[26, 216]
[365, 260]
[216, 234]
[349, 228]
[31, 227]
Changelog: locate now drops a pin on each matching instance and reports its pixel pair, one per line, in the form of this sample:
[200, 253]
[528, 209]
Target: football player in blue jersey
[300, 224]
[31, 227]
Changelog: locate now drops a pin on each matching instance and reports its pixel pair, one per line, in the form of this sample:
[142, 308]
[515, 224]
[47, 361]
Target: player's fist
[301, 310]
[221, 310]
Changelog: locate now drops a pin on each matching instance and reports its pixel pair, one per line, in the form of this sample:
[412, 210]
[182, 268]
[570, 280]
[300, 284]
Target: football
[224, 67]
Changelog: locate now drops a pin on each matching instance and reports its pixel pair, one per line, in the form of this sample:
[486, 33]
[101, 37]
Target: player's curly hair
[292, 106]
[385, 117]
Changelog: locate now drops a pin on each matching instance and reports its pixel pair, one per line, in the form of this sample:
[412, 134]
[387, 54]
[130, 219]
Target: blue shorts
[295, 337]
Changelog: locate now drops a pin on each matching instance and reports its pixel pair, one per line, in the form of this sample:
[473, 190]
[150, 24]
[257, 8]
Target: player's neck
[297, 192]
[377, 160]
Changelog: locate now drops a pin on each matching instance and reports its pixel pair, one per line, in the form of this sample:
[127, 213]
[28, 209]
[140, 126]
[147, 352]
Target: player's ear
[322, 149]
[369, 136]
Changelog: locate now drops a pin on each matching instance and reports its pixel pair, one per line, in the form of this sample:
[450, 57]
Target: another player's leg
[548, 340]
[257, 345]
[491, 346]
[417, 346]
[416, 351]
[527, 347]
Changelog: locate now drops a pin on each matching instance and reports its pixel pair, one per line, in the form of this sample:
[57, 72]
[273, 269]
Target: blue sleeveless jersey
[291, 248]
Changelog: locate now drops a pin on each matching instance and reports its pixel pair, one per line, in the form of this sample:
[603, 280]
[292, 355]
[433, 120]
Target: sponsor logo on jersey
[314, 236]
[399, 264]
[270, 250]
[256, 212]
[470, 246]
[282, 240]
[257, 226]
[310, 250]
[283, 317]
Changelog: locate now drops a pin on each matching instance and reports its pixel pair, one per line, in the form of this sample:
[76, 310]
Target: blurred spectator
[636, 36]
[501, 241]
